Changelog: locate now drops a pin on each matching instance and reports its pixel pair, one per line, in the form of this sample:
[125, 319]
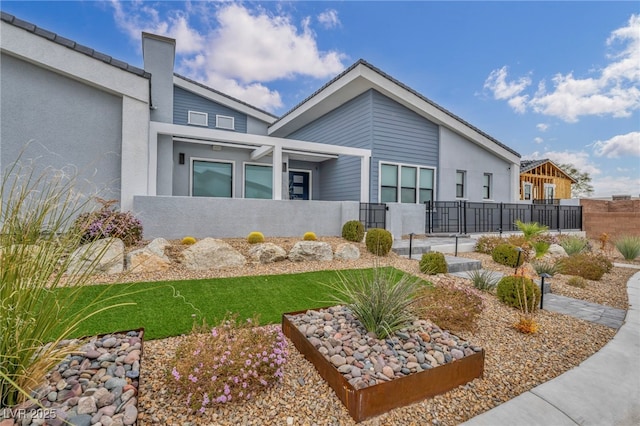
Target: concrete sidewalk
[603, 390]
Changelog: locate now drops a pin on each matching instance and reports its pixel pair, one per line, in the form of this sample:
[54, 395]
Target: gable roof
[528, 165]
[362, 76]
[27, 26]
[222, 98]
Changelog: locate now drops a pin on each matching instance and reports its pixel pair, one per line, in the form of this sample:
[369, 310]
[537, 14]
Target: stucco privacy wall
[404, 219]
[91, 111]
[177, 217]
[616, 218]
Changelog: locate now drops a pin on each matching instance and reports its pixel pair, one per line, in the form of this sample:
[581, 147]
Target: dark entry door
[299, 185]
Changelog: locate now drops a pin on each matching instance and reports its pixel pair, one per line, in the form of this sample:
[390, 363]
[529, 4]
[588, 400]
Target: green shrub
[255, 237]
[628, 246]
[353, 230]
[506, 254]
[433, 263]
[483, 279]
[379, 241]
[187, 241]
[542, 267]
[309, 236]
[509, 288]
[586, 265]
[573, 244]
[109, 223]
[381, 299]
[486, 243]
[577, 282]
[530, 230]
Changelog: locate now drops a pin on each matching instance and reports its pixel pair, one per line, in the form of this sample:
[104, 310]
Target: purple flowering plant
[233, 361]
[108, 222]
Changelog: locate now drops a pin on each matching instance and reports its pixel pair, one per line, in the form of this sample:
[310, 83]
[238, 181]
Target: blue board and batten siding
[371, 121]
[185, 101]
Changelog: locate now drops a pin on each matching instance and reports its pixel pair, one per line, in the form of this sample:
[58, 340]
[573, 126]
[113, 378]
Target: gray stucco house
[190, 160]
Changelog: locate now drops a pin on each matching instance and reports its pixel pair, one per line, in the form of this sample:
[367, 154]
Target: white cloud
[580, 159]
[538, 140]
[616, 185]
[542, 127]
[619, 146]
[329, 18]
[614, 91]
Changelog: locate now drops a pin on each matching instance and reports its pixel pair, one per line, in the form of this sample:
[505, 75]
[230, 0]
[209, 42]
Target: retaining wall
[613, 217]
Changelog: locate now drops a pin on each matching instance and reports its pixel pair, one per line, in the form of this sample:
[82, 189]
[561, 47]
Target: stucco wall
[616, 218]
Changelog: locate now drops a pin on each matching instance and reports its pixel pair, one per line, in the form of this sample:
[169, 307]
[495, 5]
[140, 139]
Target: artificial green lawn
[165, 308]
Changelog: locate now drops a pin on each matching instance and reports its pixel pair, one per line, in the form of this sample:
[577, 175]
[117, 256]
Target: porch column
[277, 172]
[364, 178]
[514, 195]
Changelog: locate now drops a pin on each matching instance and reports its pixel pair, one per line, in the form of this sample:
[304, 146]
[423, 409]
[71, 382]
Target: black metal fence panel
[471, 217]
[373, 215]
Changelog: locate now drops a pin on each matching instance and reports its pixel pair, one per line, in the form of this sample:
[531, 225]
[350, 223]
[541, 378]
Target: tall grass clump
[573, 244]
[484, 279]
[628, 246]
[381, 299]
[38, 208]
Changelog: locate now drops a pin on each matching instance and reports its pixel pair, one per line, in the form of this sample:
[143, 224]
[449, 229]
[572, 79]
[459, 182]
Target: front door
[299, 184]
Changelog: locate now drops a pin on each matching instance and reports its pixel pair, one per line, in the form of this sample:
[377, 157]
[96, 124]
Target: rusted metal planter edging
[375, 400]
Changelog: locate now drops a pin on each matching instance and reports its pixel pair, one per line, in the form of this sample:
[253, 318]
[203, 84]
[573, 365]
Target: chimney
[159, 55]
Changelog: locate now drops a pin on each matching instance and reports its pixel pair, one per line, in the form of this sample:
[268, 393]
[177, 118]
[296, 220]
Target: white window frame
[399, 177]
[552, 186]
[213, 160]
[244, 182]
[233, 122]
[490, 195]
[196, 114]
[524, 192]
[464, 185]
[307, 171]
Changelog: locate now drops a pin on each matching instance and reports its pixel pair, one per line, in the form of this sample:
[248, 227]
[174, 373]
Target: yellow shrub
[188, 241]
[255, 237]
[309, 236]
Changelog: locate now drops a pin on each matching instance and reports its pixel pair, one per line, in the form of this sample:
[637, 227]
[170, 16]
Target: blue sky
[557, 80]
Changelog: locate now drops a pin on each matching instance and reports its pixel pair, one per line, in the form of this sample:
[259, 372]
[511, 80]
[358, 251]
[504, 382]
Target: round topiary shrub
[353, 230]
[255, 237]
[379, 241]
[309, 236]
[433, 263]
[506, 254]
[188, 241]
[509, 288]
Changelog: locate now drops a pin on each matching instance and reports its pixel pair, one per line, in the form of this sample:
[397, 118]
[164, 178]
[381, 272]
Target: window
[224, 122]
[460, 176]
[258, 181]
[212, 179]
[405, 184]
[549, 190]
[486, 186]
[526, 190]
[198, 118]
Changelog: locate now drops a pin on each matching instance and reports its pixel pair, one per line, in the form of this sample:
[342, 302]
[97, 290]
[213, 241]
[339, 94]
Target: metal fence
[463, 217]
[373, 215]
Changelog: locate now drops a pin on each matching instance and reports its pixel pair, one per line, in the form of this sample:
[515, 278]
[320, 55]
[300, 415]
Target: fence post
[462, 214]
[558, 215]
[501, 214]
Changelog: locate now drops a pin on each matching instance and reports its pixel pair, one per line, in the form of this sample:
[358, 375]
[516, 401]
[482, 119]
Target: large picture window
[258, 181]
[401, 183]
[212, 179]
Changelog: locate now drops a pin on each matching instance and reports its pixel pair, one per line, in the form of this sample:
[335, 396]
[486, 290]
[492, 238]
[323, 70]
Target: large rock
[211, 253]
[347, 251]
[151, 258]
[104, 256]
[310, 250]
[556, 250]
[267, 253]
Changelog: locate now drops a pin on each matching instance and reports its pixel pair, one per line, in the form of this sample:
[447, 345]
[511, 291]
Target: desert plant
[509, 292]
[381, 299]
[604, 239]
[577, 282]
[36, 237]
[573, 244]
[231, 362]
[487, 243]
[628, 246]
[451, 306]
[255, 237]
[187, 241]
[542, 267]
[353, 230]
[309, 236]
[530, 230]
[109, 223]
[379, 241]
[483, 279]
[507, 254]
[586, 265]
[433, 263]
[541, 247]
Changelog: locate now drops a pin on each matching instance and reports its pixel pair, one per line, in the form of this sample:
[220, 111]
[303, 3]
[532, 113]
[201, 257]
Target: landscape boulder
[311, 250]
[267, 253]
[104, 256]
[211, 253]
[151, 258]
[347, 251]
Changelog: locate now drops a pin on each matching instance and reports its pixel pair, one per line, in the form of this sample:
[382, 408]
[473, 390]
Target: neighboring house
[543, 180]
[190, 159]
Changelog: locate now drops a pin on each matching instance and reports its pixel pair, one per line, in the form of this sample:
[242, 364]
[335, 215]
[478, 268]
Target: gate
[373, 215]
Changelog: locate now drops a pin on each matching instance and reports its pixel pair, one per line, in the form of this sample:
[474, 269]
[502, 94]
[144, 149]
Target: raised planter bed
[378, 399]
